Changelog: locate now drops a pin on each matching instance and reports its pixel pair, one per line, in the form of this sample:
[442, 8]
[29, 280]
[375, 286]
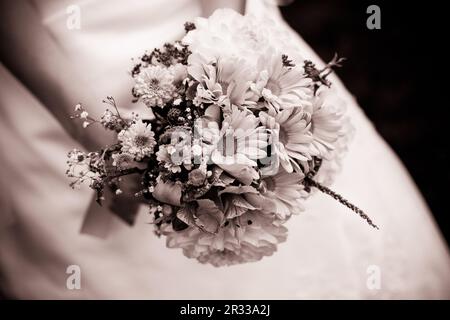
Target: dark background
[399, 76]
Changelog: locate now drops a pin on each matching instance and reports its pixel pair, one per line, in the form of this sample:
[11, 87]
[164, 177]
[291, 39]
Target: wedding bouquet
[243, 130]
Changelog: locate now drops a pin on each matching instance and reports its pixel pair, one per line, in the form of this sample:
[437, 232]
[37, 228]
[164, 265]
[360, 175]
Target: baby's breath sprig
[80, 167]
[81, 113]
[114, 120]
[110, 100]
[110, 120]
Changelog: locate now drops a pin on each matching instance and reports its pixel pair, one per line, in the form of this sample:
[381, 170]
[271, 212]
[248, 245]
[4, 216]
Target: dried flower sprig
[319, 76]
[311, 182]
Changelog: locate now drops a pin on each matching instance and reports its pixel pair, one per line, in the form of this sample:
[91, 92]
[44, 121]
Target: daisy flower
[223, 81]
[281, 194]
[280, 86]
[327, 123]
[138, 140]
[240, 142]
[241, 139]
[291, 136]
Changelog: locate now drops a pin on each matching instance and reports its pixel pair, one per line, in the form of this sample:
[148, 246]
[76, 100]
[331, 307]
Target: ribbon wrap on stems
[98, 220]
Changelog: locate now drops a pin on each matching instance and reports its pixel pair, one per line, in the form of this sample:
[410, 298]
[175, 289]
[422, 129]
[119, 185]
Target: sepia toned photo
[221, 150]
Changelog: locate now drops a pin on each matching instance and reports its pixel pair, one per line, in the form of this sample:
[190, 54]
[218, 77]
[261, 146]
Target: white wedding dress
[330, 251]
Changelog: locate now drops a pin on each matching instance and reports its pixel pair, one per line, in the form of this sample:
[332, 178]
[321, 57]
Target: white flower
[222, 81]
[156, 85]
[241, 139]
[327, 123]
[179, 152]
[76, 156]
[280, 86]
[227, 33]
[216, 34]
[80, 165]
[247, 238]
[237, 145]
[84, 115]
[281, 194]
[328, 107]
[291, 136]
[173, 157]
[122, 160]
[107, 117]
[138, 140]
[112, 121]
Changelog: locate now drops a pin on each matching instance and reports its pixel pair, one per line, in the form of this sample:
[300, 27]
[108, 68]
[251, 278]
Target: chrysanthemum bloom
[155, 85]
[281, 86]
[224, 34]
[122, 160]
[281, 194]
[227, 33]
[247, 238]
[138, 140]
[291, 136]
[222, 81]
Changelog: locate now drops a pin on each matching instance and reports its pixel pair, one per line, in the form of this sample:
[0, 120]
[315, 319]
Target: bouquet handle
[98, 220]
